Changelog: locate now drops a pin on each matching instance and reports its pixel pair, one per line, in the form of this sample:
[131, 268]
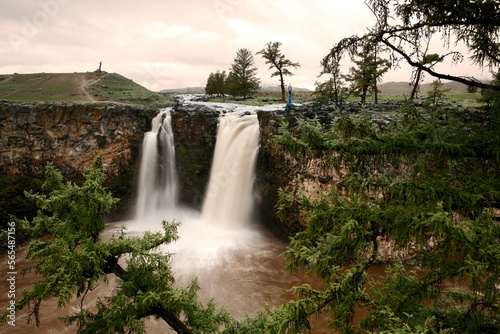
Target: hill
[90, 87]
[398, 88]
[390, 88]
[277, 88]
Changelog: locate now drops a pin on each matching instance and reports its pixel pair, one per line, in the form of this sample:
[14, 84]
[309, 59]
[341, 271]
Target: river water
[241, 269]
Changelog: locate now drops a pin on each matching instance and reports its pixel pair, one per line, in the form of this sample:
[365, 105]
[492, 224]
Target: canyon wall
[277, 169]
[71, 135]
[195, 132]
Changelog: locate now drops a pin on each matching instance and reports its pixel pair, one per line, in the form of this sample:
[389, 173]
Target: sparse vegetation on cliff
[430, 183]
[90, 87]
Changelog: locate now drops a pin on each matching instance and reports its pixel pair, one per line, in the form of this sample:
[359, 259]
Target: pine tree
[367, 73]
[210, 87]
[277, 60]
[216, 84]
[242, 79]
[74, 259]
[334, 89]
[220, 83]
[404, 28]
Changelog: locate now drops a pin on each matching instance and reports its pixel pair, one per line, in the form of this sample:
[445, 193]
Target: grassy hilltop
[90, 87]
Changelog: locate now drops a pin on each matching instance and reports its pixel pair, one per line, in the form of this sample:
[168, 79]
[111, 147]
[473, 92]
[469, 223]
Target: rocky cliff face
[195, 132]
[277, 169]
[71, 135]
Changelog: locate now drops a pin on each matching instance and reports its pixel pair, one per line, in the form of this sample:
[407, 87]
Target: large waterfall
[232, 258]
[157, 175]
[228, 201]
[229, 198]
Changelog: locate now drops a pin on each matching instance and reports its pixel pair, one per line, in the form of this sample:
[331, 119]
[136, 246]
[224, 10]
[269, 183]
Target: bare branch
[465, 80]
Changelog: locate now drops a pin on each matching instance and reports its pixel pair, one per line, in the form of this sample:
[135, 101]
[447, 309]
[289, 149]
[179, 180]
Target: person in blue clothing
[289, 105]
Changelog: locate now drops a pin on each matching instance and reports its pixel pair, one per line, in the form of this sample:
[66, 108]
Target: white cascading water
[157, 175]
[236, 263]
[228, 200]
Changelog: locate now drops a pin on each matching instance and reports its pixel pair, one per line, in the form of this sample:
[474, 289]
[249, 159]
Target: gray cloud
[167, 44]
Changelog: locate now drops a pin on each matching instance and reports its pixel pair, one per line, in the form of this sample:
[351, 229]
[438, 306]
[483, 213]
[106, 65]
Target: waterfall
[229, 198]
[230, 256]
[157, 176]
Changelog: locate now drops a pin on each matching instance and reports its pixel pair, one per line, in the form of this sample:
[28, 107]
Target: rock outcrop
[277, 169]
[195, 132]
[71, 135]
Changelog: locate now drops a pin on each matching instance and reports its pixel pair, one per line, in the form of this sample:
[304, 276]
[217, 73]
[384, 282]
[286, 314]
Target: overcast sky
[175, 43]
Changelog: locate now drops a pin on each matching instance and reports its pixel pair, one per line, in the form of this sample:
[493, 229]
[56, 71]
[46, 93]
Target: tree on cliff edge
[277, 60]
[367, 73]
[242, 79]
[75, 259]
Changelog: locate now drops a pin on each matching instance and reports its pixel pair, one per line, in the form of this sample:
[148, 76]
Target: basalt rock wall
[195, 134]
[277, 169]
[71, 135]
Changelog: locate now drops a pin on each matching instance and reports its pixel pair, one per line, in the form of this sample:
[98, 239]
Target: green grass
[90, 87]
[38, 87]
[464, 99]
[118, 88]
[102, 87]
[262, 98]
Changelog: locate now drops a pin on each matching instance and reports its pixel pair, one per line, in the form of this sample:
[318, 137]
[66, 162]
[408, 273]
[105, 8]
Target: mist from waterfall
[220, 241]
[157, 174]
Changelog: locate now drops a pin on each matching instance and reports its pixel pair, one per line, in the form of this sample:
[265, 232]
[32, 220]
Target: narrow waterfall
[229, 199]
[157, 175]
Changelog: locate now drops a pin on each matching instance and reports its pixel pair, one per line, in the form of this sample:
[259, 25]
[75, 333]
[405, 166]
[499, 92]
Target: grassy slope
[90, 87]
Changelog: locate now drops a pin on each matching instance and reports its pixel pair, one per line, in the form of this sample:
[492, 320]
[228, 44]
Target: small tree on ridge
[273, 56]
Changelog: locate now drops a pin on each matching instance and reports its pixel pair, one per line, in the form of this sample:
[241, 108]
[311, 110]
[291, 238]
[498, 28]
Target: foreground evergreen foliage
[74, 259]
[430, 182]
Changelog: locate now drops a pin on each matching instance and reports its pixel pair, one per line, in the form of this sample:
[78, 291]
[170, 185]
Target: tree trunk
[415, 86]
[170, 318]
[282, 88]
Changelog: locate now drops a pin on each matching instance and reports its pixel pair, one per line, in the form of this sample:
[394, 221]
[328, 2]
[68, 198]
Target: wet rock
[71, 135]
[195, 131]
